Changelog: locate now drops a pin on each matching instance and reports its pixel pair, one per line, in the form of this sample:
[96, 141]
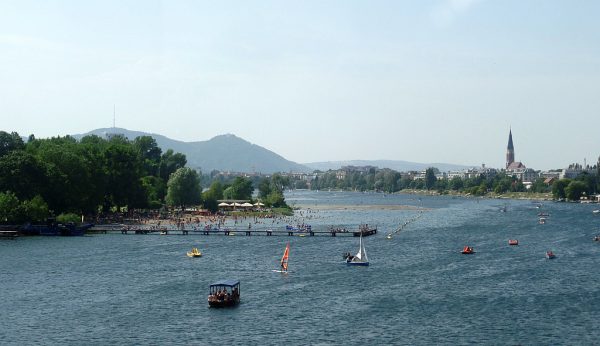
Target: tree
[241, 188]
[170, 162]
[9, 142]
[35, 210]
[575, 190]
[212, 195]
[456, 183]
[558, 188]
[184, 188]
[9, 207]
[149, 152]
[123, 170]
[21, 173]
[430, 178]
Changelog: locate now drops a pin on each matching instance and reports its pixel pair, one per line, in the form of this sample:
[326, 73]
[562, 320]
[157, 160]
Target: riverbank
[509, 195]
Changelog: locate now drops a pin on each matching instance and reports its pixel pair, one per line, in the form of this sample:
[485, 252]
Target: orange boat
[513, 242]
[468, 250]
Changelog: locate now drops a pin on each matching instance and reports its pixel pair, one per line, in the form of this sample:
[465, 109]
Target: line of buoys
[406, 223]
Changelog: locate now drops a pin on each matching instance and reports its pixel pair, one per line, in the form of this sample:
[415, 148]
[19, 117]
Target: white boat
[360, 259]
[597, 211]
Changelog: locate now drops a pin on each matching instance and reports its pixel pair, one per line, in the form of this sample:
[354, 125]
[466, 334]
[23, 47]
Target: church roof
[510, 143]
[515, 165]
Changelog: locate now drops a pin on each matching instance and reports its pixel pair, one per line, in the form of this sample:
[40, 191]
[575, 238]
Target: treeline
[387, 180]
[64, 176]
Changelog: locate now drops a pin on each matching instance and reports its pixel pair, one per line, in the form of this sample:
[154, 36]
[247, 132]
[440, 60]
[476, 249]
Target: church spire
[510, 150]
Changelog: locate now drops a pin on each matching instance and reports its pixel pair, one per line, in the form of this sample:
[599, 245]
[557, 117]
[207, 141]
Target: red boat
[550, 255]
[468, 250]
[513, 242]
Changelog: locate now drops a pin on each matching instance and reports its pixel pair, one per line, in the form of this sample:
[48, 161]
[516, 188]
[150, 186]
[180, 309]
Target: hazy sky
[424, 81]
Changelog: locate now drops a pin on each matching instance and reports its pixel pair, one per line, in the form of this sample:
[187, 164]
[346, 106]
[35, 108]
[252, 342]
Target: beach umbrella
[223, 204]
[247, 205]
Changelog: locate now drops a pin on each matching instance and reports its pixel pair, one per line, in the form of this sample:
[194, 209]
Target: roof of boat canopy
[227, 282]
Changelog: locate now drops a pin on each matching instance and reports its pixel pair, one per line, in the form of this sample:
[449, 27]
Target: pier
[227, 232]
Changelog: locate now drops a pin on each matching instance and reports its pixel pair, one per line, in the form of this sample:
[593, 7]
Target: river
[142, 289]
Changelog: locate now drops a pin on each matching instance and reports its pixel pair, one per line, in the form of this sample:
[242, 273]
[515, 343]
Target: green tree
[241, 188]
[10, 142]
[22, 173]
[575, 190]
[150, 154]
[212, 195]
[558, 188]
[456, 183]
[170, 162]
[184, 188]
[35, 210]
[430, 178]
[123, 170]
[9, 207]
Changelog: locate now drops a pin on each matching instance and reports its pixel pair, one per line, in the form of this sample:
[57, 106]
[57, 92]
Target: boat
[365, 230]
[467, 250]
[513, 242]
[597, 211]
[543, 214]
[224, 293]
[51, 228]
[389, 236]
[597, 238]
[360, 259]
[542, 220]
[284, 259]
[194, 253]
[164, 232]
[550, 255]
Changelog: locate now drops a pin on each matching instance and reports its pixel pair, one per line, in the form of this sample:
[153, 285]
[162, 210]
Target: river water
[142, 289]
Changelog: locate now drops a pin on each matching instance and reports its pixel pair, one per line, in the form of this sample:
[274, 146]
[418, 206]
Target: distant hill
[224, 153]
[400, 166]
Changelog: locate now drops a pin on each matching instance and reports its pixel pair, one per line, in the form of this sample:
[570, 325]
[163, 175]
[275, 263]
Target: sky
[423, 81]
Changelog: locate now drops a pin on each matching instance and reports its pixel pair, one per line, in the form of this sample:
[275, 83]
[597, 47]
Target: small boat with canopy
[224, 293]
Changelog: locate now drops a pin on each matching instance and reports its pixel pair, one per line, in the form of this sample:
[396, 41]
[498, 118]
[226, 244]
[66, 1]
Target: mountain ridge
[225, 152]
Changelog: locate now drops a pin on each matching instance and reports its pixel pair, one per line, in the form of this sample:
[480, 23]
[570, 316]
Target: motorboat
[513, 242]
[550, 255]
[224, 293]
[542, 221]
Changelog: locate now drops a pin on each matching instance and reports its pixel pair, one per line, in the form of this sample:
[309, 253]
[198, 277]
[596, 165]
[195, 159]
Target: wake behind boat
[360, 259]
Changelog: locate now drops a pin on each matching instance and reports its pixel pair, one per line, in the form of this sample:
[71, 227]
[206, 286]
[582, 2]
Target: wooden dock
[4, 234]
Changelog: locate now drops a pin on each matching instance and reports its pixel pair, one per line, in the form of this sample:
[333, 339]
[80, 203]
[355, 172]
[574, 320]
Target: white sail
[361, 256]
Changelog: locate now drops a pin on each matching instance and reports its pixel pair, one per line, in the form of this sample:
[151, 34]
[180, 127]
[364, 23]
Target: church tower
[510, 150]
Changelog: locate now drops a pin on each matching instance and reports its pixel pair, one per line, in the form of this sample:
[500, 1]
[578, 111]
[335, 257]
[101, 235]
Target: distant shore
[510, 195]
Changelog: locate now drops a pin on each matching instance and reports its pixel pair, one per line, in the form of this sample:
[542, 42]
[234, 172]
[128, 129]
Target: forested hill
[224, 153]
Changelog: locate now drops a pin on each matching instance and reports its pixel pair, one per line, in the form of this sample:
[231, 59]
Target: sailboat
[360, 259]
[284, 260]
